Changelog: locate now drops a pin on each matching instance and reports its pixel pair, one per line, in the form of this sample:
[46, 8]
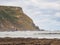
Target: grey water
[30, 34]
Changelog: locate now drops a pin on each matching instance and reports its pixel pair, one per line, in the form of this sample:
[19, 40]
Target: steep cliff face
[13, 18]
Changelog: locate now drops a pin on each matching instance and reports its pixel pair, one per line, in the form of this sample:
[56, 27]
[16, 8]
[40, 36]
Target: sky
[45, 13]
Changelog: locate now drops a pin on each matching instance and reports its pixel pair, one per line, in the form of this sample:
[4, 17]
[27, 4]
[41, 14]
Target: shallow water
[31, 34]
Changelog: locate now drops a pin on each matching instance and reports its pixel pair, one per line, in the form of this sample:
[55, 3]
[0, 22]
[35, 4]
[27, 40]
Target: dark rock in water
[13, 18]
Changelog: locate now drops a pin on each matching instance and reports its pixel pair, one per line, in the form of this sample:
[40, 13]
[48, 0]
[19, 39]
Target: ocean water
[31, 34]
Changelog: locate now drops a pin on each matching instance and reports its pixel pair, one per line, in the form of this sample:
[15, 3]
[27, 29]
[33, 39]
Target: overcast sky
[45, 13]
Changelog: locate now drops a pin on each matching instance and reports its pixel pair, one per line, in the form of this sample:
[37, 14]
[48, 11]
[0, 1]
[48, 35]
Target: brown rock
[56, 42]
[28, 41]
[13, 18]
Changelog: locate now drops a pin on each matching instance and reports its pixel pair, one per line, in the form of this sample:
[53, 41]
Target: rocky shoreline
[28, 41]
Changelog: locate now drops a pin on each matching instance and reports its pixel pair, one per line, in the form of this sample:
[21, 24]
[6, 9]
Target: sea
[31, 34]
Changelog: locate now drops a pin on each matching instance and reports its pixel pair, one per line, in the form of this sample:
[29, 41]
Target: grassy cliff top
[13, 18]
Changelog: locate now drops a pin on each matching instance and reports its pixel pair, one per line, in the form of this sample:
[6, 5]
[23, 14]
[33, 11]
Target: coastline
[28, 41]
[31, 34]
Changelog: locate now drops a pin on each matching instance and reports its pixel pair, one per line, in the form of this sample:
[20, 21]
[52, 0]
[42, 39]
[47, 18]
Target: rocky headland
[13, 18]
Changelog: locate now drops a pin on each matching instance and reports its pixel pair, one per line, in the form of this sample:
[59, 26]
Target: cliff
[13, 18]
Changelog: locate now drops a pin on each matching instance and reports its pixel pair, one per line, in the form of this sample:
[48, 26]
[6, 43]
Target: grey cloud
[51, 0]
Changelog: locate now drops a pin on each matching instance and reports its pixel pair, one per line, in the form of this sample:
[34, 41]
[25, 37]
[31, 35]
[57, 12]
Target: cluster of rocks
[28, 41]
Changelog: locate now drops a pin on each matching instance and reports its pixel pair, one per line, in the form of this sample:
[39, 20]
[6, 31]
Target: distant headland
[13, 18]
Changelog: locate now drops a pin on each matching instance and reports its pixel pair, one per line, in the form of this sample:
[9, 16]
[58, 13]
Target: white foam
[31, 34]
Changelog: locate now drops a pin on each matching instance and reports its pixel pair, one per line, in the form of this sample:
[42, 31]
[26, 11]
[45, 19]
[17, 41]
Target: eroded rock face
[28, 41]
[13, 18]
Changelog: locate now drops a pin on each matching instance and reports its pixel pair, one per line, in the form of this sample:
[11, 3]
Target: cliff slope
[13, 18]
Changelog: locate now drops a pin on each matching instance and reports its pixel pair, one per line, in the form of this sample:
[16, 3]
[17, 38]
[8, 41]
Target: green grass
[5, 15]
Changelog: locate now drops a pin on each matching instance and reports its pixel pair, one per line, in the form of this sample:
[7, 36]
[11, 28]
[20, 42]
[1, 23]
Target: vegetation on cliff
[13, 18]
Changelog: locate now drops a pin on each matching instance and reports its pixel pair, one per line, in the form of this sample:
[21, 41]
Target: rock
[56, 42]
[13, 19]
[28, 41]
